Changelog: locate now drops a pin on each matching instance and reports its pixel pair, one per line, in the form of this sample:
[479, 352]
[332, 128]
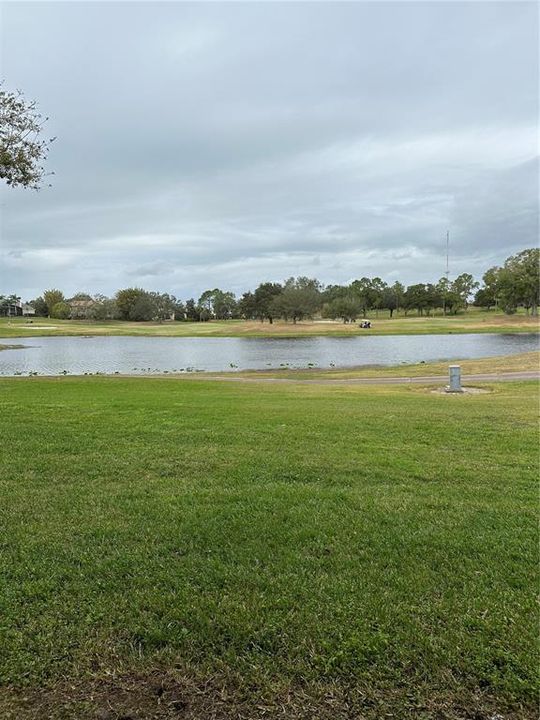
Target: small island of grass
[11, 347]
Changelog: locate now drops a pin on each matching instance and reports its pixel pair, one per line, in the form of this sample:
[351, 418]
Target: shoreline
[12, 347]
[496, 365]
[466, 379]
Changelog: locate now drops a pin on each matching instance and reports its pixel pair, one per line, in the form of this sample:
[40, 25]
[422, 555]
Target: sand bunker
[39, 327]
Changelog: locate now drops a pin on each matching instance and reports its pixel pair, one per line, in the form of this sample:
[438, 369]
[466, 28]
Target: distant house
[28, 310]
[12, 307]
[80, 308]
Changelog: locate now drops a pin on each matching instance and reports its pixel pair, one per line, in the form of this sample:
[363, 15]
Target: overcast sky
[223, 144]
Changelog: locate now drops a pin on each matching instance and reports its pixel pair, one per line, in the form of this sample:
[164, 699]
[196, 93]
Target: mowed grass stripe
[364, 535]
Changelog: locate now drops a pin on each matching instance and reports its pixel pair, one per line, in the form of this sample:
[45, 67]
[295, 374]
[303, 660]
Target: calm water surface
[145, 355]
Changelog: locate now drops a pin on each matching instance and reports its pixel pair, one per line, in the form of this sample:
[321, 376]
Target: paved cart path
[466, 379]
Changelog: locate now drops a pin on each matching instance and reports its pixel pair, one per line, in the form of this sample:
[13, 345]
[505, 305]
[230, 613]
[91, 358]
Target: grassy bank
[471, 321]
[208, 549]
[497, 364]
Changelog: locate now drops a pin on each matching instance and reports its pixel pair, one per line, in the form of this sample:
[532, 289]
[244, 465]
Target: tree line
[515, 284]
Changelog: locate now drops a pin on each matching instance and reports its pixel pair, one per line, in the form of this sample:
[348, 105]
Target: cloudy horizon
[205, 145]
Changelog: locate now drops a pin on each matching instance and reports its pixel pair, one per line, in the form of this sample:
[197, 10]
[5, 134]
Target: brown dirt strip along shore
[432, 379]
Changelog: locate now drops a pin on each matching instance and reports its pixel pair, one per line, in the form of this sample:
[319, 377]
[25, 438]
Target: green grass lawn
[473, 320]
[177, 549]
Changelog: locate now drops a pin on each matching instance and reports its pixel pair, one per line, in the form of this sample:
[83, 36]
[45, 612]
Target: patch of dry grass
[471, 321]
[499, 364]
[184, 694]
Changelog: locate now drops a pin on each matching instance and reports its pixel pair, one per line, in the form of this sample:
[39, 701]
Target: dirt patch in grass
[464, 391]
[174, 695]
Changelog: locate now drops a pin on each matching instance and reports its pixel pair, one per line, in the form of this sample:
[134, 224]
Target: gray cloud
[223, 144]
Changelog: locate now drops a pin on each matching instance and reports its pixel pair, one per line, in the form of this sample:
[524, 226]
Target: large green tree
[416, 298]
[301, 298]
[516, 283]
[166, 307]
[218, 304]
[52, 298]
[369, 292]
[61, 311]
[134, 304]
[247, 306]
[464, 286]
[23, 149]
[103, 308]
[193, 313]
[264, 297]
[346, 307]
[143, 308]
[40, 307]
[487, 295]
[392, 297]
[523, 269]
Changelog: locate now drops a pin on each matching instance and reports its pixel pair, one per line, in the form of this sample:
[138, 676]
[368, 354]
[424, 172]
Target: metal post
[455, 378]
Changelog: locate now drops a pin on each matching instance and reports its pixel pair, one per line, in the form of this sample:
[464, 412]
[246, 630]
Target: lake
[151, 355]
